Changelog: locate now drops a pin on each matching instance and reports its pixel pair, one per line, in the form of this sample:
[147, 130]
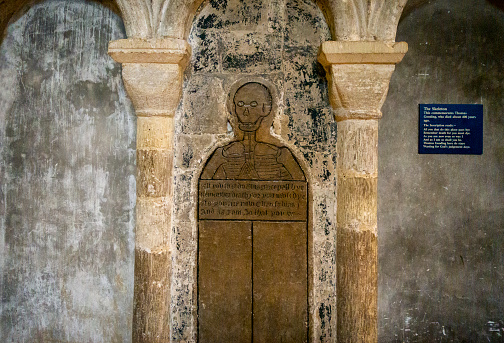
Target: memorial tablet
[450, 129]
[252, 233]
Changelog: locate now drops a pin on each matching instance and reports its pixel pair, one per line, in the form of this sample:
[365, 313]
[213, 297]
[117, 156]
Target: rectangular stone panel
[225, 281]
[280, 282]
[252, 200]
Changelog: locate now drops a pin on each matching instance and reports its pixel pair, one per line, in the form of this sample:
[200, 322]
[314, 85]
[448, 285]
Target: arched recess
[11, 10]
[354, 20]
[231, 43]
[66, 178]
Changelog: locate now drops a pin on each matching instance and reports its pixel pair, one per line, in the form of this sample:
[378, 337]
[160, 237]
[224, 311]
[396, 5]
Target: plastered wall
[67, 186]
[441, 217]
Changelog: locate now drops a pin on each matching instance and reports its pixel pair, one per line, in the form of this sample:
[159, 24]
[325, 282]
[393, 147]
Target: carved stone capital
[158, 18]
[359, 74]
[152, 72]
[362, 20]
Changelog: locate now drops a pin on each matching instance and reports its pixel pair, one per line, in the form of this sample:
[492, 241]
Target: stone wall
[278, 41]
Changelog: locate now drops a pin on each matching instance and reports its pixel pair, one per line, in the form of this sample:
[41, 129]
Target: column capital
[152, 71]
[155, 50]
[359, 73]
[361, 52]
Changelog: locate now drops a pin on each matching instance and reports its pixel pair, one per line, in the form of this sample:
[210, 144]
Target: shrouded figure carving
[250, 159]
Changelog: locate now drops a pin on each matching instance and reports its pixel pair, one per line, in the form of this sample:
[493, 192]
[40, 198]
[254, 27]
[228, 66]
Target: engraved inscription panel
[252, 200]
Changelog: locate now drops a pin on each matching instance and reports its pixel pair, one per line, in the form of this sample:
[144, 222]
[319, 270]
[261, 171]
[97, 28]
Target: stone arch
[202, 97]
[348, 20]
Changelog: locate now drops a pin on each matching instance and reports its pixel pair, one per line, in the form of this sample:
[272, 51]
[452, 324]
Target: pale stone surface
[358, 74]
[357, 204]
[357, 166]
[357, 144]
[151, 315]
[155, 132]
[154, 88]
[158, 18]
[153, 216]
[357, 286]
[356, 212]
[154, 50]
[356, 261]
[340, 52]
[366, 20]
[152, 74]
[357, 91]
[154, 168]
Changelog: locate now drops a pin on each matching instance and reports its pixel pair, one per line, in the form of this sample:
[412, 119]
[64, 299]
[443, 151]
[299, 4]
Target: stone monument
[252, 233]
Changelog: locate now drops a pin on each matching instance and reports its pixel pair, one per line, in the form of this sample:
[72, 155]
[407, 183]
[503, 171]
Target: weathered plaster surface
[441, 218]
[67, 189]
[277, 40]
[11, 10]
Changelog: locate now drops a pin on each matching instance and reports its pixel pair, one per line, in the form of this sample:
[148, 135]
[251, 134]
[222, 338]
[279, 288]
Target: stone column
[358, 74]
[152, 72]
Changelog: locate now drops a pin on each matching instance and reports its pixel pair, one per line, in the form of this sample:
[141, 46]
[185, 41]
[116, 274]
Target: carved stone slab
[252, 233]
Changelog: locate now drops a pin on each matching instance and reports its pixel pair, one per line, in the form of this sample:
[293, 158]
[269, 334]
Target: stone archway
[152, 71]
[358, 74]
[358, 67]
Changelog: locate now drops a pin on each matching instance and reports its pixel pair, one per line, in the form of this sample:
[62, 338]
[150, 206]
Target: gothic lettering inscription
[252, 200]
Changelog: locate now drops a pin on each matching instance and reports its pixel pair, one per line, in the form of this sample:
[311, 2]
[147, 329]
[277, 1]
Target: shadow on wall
[441, 217]
[413, 5]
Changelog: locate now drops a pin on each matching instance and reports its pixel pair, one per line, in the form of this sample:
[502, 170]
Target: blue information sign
[450, 129]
